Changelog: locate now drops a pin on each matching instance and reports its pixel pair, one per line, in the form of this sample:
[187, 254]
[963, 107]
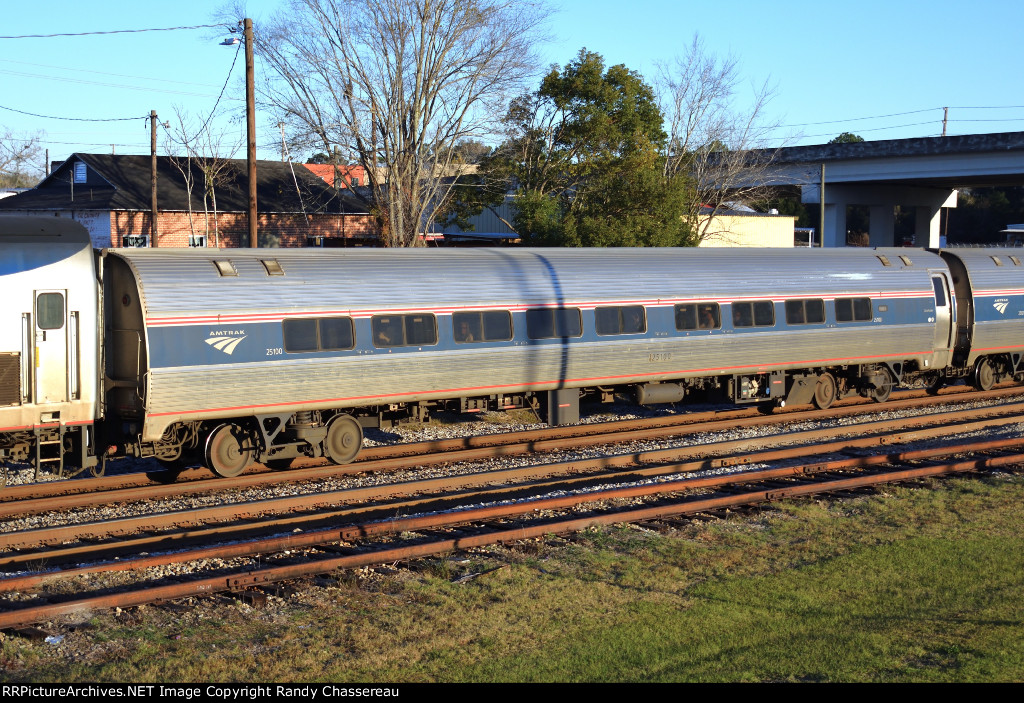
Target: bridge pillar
[882, 226]
[882, 201]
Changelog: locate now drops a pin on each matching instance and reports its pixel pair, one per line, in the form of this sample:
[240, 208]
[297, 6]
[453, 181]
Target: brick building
[110, 195]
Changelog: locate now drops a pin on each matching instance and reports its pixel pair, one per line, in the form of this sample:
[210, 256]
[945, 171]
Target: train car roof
[22, 229]
[207, 281]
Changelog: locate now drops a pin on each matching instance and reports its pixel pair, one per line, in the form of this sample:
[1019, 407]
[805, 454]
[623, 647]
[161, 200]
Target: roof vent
[884, 259]
[273, 267]
[225, 267]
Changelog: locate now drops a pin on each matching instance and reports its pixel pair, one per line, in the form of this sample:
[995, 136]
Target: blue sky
[832, 64]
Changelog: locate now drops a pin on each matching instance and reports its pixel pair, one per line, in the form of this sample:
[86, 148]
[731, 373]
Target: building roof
[326, 172]
[122, 182]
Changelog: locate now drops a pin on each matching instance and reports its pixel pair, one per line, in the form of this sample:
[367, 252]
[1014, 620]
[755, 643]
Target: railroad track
[606, 480]
[36, 498]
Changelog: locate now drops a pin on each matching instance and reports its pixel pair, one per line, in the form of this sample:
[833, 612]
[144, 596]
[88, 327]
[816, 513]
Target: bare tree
[21, 160]
[204, 163]
[396, 85]
[721, 148]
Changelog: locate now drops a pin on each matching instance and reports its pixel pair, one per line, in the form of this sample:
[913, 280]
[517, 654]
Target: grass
[908, 585]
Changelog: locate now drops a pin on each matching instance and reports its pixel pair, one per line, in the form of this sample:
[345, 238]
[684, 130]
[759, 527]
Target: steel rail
[267, 575]
[380, 458]
[63, 501]
[451, 518]
[878, 434]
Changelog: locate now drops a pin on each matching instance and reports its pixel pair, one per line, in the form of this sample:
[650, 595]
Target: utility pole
[284, 147]
[153, 229]
[250, 125]
[945, 119]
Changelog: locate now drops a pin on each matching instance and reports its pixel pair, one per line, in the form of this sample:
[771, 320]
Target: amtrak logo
[1001, 305]
[225, 344]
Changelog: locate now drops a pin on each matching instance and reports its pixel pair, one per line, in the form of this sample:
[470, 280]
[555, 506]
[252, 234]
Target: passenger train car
[263, 355]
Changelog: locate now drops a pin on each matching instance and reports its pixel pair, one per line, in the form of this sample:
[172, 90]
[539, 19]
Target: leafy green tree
[847, 138]
[583, 155]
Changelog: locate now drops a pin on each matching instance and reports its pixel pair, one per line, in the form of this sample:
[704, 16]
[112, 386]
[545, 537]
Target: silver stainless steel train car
[49, 364]
[243, 355]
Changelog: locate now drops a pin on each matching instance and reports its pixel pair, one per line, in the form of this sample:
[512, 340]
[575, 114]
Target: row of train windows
[338, 334]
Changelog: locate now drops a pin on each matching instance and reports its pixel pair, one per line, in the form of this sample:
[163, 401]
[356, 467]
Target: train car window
[336, 333]
[491, 326]
[547, 323]
[50, 311]
[940, 293]
[420, 330]
[625, 319]
[805, 312]
[497, 326]
[703, 316]
[853, 309]
[387, 331]
[300, 336]
[764, 313]
[760, 313]
[318, 334]
[403, 330]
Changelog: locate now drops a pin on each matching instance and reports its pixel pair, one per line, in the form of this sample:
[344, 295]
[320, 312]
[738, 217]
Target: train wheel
[934, 383]
[825, 391]
[344, 439]
[984, 375]
[228, 451]
[882, 393]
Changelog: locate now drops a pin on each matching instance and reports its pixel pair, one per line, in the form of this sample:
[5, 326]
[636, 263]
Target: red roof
[347, 173]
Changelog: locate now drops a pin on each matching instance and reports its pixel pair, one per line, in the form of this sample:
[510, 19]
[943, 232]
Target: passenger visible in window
[387, 332]
[707, 319]
[463, 333]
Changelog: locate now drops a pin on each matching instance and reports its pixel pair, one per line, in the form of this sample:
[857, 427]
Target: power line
[858, 119]
[82, 81]
[102, 73]
[214, 110]
[74, 119]
[111, 31]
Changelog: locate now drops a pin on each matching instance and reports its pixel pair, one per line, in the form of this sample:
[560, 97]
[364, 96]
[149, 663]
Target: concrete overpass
[920, 173]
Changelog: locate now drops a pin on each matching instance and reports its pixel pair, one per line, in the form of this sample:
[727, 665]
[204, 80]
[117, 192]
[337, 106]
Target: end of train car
[49, 348]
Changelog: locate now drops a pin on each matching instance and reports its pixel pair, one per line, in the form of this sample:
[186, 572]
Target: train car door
[945, 316]
[51, 346]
